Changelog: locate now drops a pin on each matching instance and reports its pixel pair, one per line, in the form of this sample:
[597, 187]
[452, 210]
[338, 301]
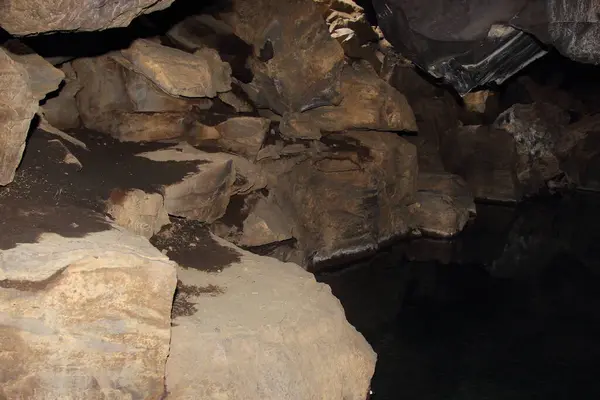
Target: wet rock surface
[512, 304]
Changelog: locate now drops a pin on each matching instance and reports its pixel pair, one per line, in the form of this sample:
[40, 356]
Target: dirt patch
[189, 244]
[31, 286]
[23, 221]
[109, 164]
[182, 306]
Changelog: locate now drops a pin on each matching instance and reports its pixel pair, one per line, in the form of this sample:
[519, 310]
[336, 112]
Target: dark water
[512, 310]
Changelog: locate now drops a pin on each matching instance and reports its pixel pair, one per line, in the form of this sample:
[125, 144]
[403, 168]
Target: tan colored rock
[43, 77]
[263, 330]
[243, 135]
[476, 101]
[61, 111]
[368, 103]
[204, 195]
[146, 127]
[116, 101]
[443, 206]
[31, 16]
[178, 73]
[254, 221]
[300, 61]
[84, 308]
[18, 105]
[139, 212]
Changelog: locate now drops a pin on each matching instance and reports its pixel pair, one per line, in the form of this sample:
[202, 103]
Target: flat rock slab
[18, 105]
[84, 309]
[261, 329]
[178, 73]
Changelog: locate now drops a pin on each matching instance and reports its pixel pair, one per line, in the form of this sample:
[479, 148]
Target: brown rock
[444, 204]
[61, 111]
[43, 77]
[178, 73]
[300, 61]
[239, 104]
[368, 103]
[351, 199]
[31, 16]
[253, 220]
[97, 301]
[18, 105]
[243, 135]
[477, 101]
[116, 101]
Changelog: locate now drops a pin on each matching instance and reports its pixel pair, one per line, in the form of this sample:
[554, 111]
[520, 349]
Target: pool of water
[509, 310]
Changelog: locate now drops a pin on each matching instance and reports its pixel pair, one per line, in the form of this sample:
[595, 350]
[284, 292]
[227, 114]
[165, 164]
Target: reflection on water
[512, 311]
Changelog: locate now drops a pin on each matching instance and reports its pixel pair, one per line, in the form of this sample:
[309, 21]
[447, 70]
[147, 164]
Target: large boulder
[18, 105]
[116, 100]
[178, 73]
[351, 198]
[84, 307]
[296, 64]
[32, 16]
[43, 77]
[250, 327]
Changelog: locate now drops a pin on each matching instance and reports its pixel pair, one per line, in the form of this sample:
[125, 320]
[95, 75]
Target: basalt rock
[126, 105]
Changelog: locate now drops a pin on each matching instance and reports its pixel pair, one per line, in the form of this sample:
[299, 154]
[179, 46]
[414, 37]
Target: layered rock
[368, 103]
[76, 291]
[443, 206]
[353, 197]
[296, 64]
[127, 96]
[204, 195]
[32, 17]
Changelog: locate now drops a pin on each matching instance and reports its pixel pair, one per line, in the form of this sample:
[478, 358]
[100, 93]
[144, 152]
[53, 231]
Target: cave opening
[171, 164]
